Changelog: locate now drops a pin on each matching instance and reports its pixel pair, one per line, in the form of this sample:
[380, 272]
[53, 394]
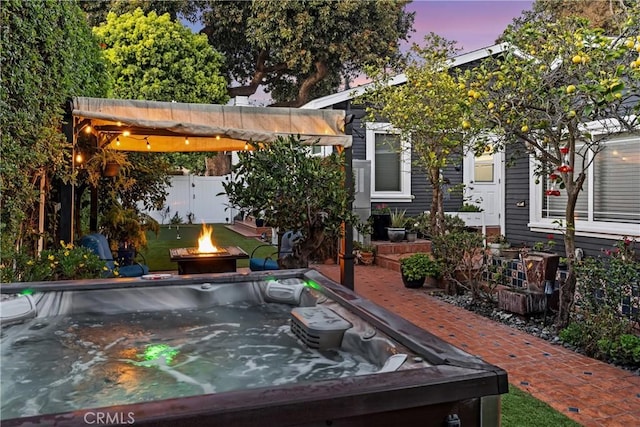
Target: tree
[152, 57]
[430, 111]
[292, 190]
[302, 49]
[606, 14]
[562, 90]
[48, 54]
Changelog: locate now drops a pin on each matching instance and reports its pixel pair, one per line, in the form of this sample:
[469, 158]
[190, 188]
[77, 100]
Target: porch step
[388, 248]
[388, 254]
[248, 228]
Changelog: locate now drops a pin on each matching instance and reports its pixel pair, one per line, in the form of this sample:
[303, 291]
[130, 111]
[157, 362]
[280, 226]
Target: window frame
[404, 195]
[588, 227]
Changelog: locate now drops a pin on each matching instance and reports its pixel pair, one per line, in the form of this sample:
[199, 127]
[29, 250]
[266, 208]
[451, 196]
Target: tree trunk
[568, 288]
[437, 210]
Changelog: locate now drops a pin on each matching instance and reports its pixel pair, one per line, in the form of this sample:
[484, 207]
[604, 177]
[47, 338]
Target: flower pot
[412, 236]
[111, 169]
[413, 284]
[379, 226]
[395, 234]
[434, 282]
[366, 258]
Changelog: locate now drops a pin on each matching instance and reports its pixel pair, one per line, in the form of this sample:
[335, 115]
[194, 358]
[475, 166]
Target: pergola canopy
[134, 125]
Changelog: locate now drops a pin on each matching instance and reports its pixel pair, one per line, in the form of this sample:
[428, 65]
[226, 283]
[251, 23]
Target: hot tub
[285, 348]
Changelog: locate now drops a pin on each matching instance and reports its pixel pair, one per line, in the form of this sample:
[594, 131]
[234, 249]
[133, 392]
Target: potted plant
[412, 227]
[380, 220]
[126, 230]
[417, 267]
[364, 253]
[397, 229]
[497, 243]
[106, 162]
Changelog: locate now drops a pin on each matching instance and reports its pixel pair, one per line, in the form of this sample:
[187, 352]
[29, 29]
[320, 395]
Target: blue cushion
[261, 264]
[100, 246]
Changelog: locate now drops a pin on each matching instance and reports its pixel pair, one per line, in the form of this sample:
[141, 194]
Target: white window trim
[405, 156]
[588, 227]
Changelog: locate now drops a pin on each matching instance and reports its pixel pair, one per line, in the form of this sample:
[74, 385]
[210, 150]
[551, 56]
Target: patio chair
[100, 246]
[287, 242]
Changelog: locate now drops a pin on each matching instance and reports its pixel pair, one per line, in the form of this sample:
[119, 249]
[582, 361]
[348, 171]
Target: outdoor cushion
[287, 242]
[100, 246]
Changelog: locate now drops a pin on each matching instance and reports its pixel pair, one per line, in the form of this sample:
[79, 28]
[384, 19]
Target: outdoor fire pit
[207, 257]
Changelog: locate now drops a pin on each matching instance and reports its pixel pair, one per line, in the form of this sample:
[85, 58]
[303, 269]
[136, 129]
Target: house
[513, 203]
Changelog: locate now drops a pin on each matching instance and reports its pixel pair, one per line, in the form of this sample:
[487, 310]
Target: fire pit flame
[205, 242]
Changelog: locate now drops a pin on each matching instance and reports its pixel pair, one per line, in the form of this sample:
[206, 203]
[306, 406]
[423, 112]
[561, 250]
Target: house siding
[517, 218]
[420, 187]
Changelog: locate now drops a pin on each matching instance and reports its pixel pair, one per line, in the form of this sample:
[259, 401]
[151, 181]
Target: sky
[473, 24]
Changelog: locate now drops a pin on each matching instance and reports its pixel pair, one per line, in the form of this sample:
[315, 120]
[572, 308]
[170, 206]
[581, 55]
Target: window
[390, 164]
[609, 204]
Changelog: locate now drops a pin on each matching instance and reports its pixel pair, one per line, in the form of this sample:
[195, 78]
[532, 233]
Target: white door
[484, 186]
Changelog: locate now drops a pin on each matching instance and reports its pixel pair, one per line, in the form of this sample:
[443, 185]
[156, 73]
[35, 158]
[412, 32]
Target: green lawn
[520, 409]
[157, 252]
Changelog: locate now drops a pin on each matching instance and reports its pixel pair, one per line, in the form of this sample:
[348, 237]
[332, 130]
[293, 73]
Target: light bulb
[246, 146]
[118, 141]
[78, 158]
[186, 141]
[148, 145]
[126, 133]
[88, 129]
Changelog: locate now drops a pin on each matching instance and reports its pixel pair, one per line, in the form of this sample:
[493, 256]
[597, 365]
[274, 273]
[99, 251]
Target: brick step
[249, 229]
[388, 248]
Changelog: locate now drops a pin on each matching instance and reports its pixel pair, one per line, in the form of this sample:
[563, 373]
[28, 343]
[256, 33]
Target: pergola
[135, 125]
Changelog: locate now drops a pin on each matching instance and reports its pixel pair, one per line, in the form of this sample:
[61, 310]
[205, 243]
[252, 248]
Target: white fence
[197, 195]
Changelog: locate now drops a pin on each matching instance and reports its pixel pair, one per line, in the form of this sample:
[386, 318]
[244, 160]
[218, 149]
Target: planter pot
[395, 234]
[413, 284]
[366, 258]
[510, 253]
[521, 302]
[496, 249]
[433, 282]
[111, 169]
[259, 222]
[412, 236]
[540, 267]
[379, 226]
[126, 256]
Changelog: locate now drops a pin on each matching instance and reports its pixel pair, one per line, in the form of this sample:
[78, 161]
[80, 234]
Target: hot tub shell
[455, 385]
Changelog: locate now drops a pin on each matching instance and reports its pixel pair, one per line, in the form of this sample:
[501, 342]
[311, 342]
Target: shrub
[461, 254]
[420, 265]
[607, 305]
[69, 262]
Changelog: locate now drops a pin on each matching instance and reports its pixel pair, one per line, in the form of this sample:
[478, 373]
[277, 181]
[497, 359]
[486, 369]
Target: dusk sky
[472, 23]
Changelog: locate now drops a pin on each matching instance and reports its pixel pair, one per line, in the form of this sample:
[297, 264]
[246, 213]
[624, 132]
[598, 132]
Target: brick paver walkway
[586, 390]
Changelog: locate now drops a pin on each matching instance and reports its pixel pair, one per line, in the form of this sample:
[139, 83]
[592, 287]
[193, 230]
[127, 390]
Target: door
[484, 185]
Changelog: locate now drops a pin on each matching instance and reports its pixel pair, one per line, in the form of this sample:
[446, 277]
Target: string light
[126, 133]
[148, 145]
[218, 137]
[88, 129]
[186, 140]
[246, 146]
[117, 141]
[79, 158]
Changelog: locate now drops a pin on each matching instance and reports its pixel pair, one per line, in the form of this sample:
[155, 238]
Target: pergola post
[346, 257]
